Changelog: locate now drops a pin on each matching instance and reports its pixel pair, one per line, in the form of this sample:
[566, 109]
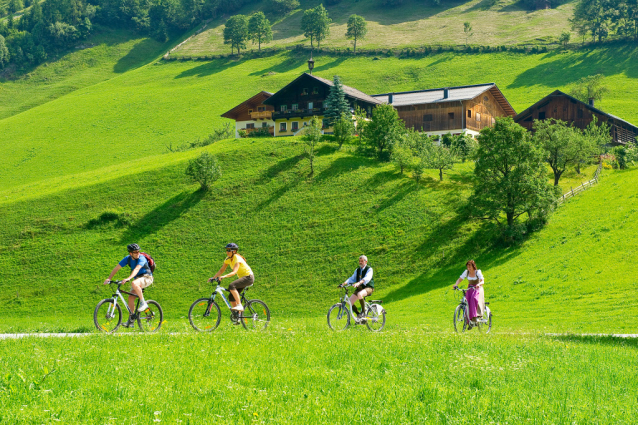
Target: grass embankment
[139, 113]
[105, 55]
[306, 374]
[413, 24]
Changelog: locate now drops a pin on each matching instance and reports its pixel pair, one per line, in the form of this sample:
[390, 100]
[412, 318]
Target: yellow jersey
[244, 268]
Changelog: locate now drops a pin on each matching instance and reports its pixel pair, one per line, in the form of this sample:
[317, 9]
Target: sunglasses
[229, 250]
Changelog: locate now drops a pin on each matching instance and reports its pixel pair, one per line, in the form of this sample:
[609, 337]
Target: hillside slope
[139, 113]
[413, 24]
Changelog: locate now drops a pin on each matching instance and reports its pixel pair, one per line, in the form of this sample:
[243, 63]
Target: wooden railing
[573, 192]
[261, 115]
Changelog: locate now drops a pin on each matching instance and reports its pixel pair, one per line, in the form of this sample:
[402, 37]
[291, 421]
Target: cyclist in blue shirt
[141, 277]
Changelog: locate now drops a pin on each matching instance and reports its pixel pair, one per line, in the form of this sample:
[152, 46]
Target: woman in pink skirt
[474, 295]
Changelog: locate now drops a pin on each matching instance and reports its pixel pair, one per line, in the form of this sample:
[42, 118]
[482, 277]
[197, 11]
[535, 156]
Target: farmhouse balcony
[299, 113]
[271, 130]
[261, 115]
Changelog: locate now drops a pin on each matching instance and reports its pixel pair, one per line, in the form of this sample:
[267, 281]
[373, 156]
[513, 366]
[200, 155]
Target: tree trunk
[510, 219]
[441, 174]
[260, 44]
[355, 52]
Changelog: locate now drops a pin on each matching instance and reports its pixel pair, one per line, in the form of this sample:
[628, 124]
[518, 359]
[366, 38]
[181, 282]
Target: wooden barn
[252, 114]
[456, 110]
[561, 106]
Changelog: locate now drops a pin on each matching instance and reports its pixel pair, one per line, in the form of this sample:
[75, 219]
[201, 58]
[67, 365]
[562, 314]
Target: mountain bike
[462, 321]
[108, 313]
[339, 315]
[205, 314]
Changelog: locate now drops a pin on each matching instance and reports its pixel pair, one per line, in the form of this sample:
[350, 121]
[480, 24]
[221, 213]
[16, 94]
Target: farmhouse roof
[458, 93]
[349, 91]
[558, 93]
[245, 105]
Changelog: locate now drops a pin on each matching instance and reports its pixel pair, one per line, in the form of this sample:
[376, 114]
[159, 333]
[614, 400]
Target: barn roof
[245, 105]
[458, 93]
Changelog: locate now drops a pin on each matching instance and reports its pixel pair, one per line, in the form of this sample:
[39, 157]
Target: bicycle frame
[220, 290]
[346, 299]
[464, 305]
[118, 293]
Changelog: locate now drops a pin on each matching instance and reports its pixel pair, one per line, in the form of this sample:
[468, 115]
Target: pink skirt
[475, 302]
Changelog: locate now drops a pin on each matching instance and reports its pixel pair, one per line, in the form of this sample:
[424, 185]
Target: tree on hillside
[204, 170]
[4, 53]
[15, 6]
[559, 141]
[438, 157]
[593, 138]
[402, 154]
[595, 16]
[259, 29]
[564, 38]
[315, 24]
[336, 103]
[589, 88]
[467, 29]
[463, 146]
[312, 136]
[343, 128]
[510, 174]
[357, 29]
[236, 32]
[281, 7]
[383, 130]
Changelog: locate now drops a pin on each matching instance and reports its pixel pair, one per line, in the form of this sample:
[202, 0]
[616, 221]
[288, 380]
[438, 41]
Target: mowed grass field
[412, 24]
[302, 373]
[139, 113]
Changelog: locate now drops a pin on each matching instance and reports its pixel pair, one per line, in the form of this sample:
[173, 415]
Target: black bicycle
[108, 313]
[205, 314]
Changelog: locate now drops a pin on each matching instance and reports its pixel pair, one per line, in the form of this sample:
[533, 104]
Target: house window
[427, 117]
[261, 109]
[580, 113]
[295, 106]
[250, 111]
[264, 124]
[315, 90]
[295, 126]
[493, 121]
[541, 115]
[478, 117]
[310, 106]
[469, 113]
[251, 125]
[284, 108]
[450, 115]
[282, 127]
[304, 91]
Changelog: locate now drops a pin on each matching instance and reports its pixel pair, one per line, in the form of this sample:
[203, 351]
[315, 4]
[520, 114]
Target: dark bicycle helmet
[133, 247]
[232, 246]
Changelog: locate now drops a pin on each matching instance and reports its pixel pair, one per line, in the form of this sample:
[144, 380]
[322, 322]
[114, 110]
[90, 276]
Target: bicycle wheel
[489, 322]
[150, 320]
[255, 316]
[107, 316]
[375, 318]
[338, 317]
[204, 315]
[459, 319]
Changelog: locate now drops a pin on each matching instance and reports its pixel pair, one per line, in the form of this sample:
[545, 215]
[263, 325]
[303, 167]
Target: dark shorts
[240, 284]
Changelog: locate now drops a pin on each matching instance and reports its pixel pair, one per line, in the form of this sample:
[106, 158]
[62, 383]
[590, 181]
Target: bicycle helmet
[133, 247]
[232, 246]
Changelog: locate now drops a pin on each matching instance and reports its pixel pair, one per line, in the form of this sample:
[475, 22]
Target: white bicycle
[462, 321]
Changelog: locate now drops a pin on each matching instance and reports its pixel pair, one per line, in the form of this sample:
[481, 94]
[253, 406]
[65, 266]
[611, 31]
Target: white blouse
[479, 275]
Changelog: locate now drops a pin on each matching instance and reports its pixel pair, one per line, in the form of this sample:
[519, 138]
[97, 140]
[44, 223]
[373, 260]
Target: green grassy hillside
[138, 113]
[105, 55]
[415, 23]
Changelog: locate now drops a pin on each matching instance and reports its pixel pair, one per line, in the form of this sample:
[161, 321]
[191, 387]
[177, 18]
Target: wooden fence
[588, 184]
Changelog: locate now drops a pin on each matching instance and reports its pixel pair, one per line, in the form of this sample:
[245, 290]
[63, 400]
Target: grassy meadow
[412, 24]
[302, 373]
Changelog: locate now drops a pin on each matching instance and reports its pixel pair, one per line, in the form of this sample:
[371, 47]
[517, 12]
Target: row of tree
[315, 24]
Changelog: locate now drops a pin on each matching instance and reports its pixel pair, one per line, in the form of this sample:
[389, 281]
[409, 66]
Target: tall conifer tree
[336, 102]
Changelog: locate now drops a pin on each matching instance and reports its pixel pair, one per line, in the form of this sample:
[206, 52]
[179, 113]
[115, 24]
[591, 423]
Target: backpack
[151, 261]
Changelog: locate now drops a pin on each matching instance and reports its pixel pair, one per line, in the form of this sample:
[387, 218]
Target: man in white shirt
[363, 283]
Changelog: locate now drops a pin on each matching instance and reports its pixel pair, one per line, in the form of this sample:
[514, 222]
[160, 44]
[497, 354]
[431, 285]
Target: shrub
[204, 170]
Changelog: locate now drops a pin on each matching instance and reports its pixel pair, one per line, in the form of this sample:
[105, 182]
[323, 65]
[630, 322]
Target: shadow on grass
[210, 68]
[166, 213]
[142, 53]
[273, 172]
[597, 340]
[293, 60]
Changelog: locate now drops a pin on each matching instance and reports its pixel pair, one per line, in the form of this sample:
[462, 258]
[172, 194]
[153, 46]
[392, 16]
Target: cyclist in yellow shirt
[241, 269]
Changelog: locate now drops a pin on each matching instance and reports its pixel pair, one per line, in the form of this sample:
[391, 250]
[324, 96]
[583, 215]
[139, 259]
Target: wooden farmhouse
[561, 106]
[456, 110]
[305, 97]
[252, 114]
